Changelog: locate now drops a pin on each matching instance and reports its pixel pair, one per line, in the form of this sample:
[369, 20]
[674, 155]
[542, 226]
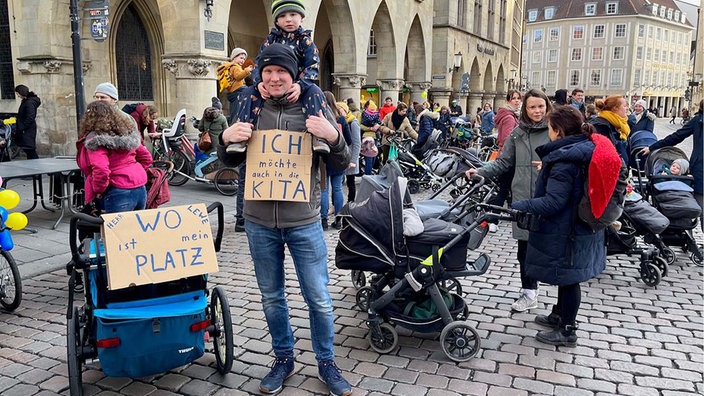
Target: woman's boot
[564, 335]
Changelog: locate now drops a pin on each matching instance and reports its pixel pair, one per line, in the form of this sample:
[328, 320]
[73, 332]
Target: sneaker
[320, 146]
[330, 374]
[238, 147]
[493, 227]
[239, 226]
[524, 303]
[566, 336]
[324, 222]
[337, 224]
[280, 371]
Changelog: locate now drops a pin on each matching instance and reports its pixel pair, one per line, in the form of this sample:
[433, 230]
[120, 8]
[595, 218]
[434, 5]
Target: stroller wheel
[358, 279]
[669, 255]
[650, 275]
[385, 340]
[365, 296]
[452, 285]
[221, 330]
[73, 347]
[413, 186]
[698, 257]
[661, 264]
[459, 341]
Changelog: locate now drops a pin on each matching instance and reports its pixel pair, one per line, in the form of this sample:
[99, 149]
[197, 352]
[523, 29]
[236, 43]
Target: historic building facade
[165, 52]
[636, 48]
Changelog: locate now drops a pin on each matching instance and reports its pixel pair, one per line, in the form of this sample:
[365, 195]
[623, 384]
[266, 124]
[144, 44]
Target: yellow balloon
[424, 95]
[9, 199]
[16, 221]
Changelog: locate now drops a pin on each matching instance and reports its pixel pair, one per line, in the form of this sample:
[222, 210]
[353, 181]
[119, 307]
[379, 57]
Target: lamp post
[512, 81]
[457, 63]
[208, 12]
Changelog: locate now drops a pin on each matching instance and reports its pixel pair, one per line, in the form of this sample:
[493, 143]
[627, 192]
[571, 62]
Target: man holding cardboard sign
[282, 207]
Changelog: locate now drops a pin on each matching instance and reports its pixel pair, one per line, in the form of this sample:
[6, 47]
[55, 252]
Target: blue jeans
[369, 165]
[124, 199]
[239, 211]
[310, 259]
[334, 183]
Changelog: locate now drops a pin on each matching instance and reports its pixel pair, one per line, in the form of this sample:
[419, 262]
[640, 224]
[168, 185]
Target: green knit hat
[278, 7]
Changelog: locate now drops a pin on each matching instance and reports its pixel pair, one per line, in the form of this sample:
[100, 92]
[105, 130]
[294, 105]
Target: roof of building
[576, 8]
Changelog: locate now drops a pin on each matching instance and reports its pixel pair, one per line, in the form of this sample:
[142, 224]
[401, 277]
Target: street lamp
[511, 81]
[208, 12]
[458, 62]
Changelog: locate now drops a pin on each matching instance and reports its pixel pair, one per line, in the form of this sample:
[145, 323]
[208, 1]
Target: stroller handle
[221, 222]
[85, 222]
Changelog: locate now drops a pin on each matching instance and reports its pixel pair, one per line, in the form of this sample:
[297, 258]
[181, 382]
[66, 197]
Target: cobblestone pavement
[633, 339]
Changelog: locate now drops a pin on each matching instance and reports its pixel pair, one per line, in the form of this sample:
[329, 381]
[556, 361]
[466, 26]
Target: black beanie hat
[280, 55]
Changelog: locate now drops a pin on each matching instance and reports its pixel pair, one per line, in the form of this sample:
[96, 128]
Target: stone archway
[414, 71]
[340, 67]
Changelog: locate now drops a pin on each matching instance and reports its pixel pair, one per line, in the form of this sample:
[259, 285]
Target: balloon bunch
[9, 221]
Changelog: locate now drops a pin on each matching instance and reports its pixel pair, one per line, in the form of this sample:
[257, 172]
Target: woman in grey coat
[354, 146]
[519, 154]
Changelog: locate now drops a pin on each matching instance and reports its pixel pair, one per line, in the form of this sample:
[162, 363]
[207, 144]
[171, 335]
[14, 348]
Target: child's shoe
[320, 146]
[236, 148]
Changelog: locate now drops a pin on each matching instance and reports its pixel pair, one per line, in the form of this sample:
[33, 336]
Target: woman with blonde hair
[612, 122]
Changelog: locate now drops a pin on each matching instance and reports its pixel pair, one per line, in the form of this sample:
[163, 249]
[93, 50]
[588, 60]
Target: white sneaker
[493, 227]
[524, 303]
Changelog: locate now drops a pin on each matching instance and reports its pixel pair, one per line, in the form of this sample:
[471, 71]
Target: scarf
[639, 116]
[397, 120]
[618, 122]
[514, 110]
[349, 117]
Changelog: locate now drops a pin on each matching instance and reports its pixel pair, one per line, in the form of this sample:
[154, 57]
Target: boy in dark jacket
[288, 15]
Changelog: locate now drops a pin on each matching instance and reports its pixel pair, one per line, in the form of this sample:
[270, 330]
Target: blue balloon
[3, 215]
[6, 241]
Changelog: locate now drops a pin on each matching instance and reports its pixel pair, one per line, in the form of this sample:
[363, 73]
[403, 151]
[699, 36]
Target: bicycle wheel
[226, 181]
[182, 168]
[10, 282]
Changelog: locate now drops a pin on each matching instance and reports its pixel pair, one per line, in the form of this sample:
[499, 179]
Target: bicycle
[225, 179]
[8, 149]
[171, 144]
[10, 281]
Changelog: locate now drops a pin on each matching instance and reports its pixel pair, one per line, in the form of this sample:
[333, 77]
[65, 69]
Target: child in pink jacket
[113, 159]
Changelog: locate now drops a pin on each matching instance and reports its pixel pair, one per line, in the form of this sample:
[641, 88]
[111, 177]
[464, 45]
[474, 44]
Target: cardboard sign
[157, 245]
[278, 166]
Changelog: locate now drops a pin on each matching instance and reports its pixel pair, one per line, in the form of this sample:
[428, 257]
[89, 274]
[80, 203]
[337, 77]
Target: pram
[372, 239]
[672, 196]
[636, 142]
[418, 173]
[141, 330]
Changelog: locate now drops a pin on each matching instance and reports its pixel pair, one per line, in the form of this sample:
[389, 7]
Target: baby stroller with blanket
[141, 330]
[418, 173]
[639, 218]
[411, 267]
[672, 195]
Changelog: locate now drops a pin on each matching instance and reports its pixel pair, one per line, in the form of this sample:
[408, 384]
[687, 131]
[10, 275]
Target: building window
[461, 12]
[657, 55]
[639, 53]
[595, 78]
[552, 55]
[590, 9]
[371, 48]
[620, 30]
[133, 58]
[650, 32]
[549, 12]
[538, 35]
[677, 15]
[577, 32]
[619, 53]
[597, 54]
[532, 15]
[641, 31]
[636, 78]
[663, 59]
[537, 56]
[616, 77]
[574, 78]
[611, 8]
[598, 31]
[649, 54]
[551, 78]
[576, 54]
[669, 13]
[657, 33]
[7, 77]
[646, 78]
[655, 9]
[666, 35]
[478, 16]
[655, 78]
[554, 34]
[662, 12]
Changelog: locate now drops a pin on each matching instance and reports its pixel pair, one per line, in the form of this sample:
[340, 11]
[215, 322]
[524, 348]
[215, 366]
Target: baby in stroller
[412, 265]
[679, 167]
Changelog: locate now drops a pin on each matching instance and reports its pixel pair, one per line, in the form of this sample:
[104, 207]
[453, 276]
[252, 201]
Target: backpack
[225, 79]
[130, 107]
[614, 206]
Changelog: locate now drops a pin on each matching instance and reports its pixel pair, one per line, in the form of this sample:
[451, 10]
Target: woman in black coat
[26, 121]
[562, 250]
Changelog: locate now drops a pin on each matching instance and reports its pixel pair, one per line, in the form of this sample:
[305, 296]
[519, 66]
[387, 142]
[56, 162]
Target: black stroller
[372, 239]
[672, 196]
